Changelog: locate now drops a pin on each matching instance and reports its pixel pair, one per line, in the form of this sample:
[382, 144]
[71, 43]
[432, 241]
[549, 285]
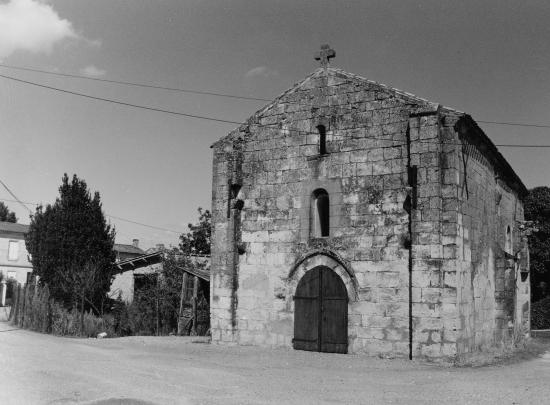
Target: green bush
[149, 314]
[94, 325]
[37, 311]
[153, 312]
[540, 314]
[136, 318]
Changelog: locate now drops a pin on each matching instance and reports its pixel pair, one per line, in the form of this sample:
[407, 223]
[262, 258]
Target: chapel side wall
[492, 307]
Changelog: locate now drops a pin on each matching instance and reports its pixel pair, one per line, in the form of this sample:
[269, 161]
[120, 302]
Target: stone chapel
[352, 217]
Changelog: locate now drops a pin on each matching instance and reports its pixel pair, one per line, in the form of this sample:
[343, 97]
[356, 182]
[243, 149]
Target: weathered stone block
[377, 346]
[376, 321]
[370, 333]
[432, 350]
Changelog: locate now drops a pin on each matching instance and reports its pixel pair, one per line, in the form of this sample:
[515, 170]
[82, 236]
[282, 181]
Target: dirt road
[42, 369]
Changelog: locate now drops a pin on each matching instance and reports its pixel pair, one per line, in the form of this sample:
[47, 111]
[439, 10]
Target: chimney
[160, 247]
[135, 242]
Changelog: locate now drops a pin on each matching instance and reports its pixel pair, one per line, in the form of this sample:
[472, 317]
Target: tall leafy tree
[197, 240]
[71, 246]
[5, 214]
[537, 208]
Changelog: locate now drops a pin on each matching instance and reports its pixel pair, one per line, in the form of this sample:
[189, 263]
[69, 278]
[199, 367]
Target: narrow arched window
[508, 241]
[320, 214]
[322, 139]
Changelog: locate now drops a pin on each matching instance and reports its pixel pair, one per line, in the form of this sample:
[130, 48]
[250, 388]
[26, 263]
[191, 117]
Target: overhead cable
[16, 198]
[107, 215]
[238, 122]
[515, 124]
[121, 102]
[152, 86]
[146, 225]
[135, 84]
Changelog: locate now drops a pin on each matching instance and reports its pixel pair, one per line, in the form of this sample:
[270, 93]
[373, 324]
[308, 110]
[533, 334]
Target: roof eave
[512, 180]
[138, 262]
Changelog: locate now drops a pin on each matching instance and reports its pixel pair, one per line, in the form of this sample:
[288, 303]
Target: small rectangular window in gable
[322, 139]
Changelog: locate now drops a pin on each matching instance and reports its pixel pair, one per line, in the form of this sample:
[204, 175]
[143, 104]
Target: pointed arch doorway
[321, 312]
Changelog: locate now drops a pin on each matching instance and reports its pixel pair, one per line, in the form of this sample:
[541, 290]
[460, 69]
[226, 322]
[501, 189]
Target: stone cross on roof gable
[324, 55]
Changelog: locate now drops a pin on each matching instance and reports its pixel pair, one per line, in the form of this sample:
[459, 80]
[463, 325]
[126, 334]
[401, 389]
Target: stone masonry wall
[433, 275]
[366, 176]
[491, 296]
[222, 304]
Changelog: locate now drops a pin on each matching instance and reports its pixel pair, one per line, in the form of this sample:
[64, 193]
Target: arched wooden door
[321, 312]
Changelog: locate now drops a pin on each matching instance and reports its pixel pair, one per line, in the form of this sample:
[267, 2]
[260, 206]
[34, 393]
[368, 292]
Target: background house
[143, 272]
[130, 260]
[124, 251]
[14, 258]
[133, 272]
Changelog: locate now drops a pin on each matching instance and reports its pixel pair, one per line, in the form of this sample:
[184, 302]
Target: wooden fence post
[24, 306]
[182, 300]
[157, 293]
[194, 302]
[19, 304]
[14, 303]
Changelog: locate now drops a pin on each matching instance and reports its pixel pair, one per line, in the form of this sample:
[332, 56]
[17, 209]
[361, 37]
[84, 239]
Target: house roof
[122, 248]
[138, 262]
[13, 229]
[200, 273]
[149, 259]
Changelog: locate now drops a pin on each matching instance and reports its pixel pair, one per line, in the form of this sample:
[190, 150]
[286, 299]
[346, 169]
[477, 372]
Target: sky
[490, 59]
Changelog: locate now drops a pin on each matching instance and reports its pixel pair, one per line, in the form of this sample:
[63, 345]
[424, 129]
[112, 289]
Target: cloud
[261, 71]
[32, 26]
[92, 71]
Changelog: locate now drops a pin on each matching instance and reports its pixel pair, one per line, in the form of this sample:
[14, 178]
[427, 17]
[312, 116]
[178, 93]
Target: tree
[158, 302]
[157, 306]
[537, 208]
[197, 241]
[5, 214]
[71, 246]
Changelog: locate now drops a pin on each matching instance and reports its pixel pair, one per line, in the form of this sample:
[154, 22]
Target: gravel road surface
[43, 369]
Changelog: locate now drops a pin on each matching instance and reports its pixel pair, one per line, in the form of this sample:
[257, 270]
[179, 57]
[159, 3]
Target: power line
[515, 124]
[521, 146]
[144, 85]
[135, 84]
[24, 202]
[238, 122]
[121, 102]
[107, 215]
[146, 225]
[14, 196]
[235, 122]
